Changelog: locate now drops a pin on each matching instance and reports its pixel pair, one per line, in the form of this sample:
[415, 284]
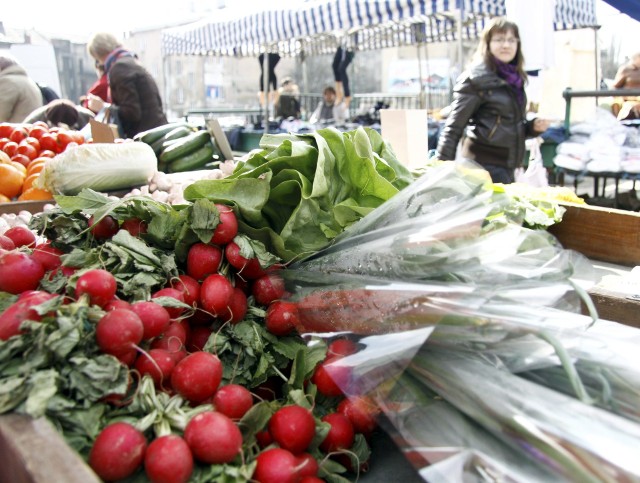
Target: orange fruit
[10, 180]
[20, 167]
[4, 157]
[35, 194]
[4, 199]
[35, 167]
[28, 181]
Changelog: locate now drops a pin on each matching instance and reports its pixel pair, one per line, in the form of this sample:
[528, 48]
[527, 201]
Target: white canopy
[319, 26]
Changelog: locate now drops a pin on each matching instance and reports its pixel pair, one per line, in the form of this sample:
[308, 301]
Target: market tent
[628, 7]
[318, 26]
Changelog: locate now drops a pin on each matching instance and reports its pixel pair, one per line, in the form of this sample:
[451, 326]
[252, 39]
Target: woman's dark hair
[500, 25]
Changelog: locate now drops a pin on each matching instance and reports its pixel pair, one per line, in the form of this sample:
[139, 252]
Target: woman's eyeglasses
[501, 40]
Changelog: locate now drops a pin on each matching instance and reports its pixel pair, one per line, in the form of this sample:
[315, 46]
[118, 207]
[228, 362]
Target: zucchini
[185, 145]
[194, 160]
[151, 135]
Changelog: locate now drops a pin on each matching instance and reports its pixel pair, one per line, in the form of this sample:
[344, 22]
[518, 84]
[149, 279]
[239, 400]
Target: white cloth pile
[601, 144]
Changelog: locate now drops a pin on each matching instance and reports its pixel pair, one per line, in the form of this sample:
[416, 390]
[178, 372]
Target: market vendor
[331, 110]
[136, 104]
[627, 77]
[61, 112]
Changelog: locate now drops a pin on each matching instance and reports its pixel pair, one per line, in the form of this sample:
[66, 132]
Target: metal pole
[597, 55]
[265, 87]
[460, 22]
[422, 94]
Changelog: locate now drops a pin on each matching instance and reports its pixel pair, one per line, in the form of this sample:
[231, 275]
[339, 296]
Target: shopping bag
[536, 174]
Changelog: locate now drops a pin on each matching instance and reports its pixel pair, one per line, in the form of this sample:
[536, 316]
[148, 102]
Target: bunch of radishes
[163, 340]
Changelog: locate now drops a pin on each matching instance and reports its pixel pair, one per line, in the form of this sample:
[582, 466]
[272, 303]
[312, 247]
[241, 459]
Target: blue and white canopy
[319, 26]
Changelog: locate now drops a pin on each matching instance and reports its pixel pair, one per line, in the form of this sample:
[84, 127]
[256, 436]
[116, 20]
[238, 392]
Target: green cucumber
[185, 145]
[169, 138]
[151, 135]
[195, 160]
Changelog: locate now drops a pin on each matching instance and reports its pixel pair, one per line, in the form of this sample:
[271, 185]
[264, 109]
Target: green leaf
[87, 200]
[43, 386]
[204, 219]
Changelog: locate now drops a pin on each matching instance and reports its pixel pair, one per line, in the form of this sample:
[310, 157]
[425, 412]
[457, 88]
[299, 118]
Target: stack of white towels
[601, 144]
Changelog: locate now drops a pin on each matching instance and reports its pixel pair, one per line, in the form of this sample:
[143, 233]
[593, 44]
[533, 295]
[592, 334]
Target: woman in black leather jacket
[489, 106]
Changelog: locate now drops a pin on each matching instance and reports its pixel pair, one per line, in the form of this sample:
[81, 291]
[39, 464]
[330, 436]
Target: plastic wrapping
[471, 339]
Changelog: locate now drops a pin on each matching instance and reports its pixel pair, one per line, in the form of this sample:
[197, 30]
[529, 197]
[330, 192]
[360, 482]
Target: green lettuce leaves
[299, 192]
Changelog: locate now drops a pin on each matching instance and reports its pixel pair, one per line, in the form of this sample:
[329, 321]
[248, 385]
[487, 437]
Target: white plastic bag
[535, 174]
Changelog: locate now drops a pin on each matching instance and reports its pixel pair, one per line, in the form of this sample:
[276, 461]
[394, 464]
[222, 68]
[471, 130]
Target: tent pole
[265, 86]
[460, 21]
[597, 56]
[422, 93]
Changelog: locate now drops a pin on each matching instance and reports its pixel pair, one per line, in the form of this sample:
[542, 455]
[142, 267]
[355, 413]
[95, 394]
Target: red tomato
[41, 124]
[48, 142]
[37, 131]
[28, 150]
[77, 137]
[4, 141]
[19, 134]
[64, 138]
[6, 129]
[33, 142]
[11, 148]
[47, 153]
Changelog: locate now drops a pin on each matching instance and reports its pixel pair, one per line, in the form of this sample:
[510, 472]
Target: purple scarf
[509, 73]
[115, 55]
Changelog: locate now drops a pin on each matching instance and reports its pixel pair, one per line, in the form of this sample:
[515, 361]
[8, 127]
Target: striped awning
[319, 26]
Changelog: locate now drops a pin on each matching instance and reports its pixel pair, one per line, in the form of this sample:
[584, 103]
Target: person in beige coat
[19, 94]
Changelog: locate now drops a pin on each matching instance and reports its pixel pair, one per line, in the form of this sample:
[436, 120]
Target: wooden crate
[606, 235]
[32, 451]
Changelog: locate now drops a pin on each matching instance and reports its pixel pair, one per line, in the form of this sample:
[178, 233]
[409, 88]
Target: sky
[59, 17]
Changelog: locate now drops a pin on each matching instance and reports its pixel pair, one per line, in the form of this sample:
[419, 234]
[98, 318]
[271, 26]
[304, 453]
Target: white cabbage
[101, 167]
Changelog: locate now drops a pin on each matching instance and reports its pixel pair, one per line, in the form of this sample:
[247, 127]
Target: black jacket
[136, 96]
[486, 107]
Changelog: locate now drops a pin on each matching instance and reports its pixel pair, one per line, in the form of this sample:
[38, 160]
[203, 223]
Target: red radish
[117, 304]
[21, 236]
[237, 308]
[282, 317]
[168, 459]
[155, 318]
[98, 284]
[198, 337]
[213, 438]
[6, 243]
[174, 338]
[311, 479]
[197, 377]
[135, 226]
[119, 331]
[306, 465]
[293, 428]
[330, 379]
[268, 288]
[159, 364]
[342, 348]
[128, 358]
[276, 465]
[20, 311]
[215, 294]
[227, 229]
[19, 272]
[341, 434]
[361, 412]
[117, 452]
[233, 400]
[202, 260]
[248, 268]
[48, 256]
[174, 312]
[263, 438]
[189, 287]
[200, 318]
[104, 228]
